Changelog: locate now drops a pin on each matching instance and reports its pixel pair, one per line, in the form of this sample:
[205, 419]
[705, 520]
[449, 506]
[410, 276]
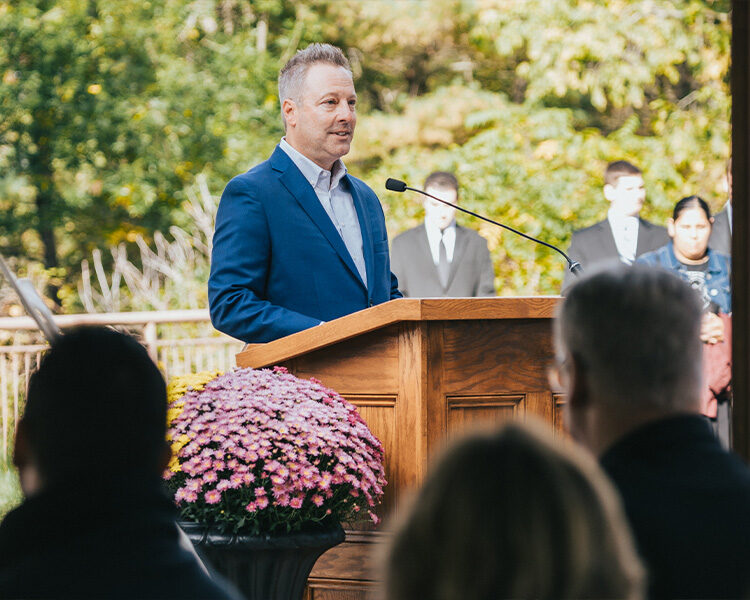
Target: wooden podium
[419, 371]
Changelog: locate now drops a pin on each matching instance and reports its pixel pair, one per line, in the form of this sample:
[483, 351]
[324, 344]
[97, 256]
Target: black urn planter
[266, 567]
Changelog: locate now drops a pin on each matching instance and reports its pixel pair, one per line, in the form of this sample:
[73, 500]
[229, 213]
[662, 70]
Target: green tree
[95, 140]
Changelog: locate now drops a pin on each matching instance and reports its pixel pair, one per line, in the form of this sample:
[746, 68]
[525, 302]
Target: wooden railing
[180, 341]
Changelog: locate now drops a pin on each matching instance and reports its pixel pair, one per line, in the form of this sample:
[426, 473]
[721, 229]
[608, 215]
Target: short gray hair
[292, 75]
[636, 333]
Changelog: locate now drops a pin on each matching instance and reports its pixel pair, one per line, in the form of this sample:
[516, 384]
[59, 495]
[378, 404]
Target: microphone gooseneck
[396, 185]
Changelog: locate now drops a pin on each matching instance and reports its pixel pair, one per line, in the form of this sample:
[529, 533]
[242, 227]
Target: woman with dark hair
[514, 514]
[709, 273]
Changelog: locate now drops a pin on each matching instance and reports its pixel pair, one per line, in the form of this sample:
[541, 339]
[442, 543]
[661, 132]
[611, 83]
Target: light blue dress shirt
[336, 200]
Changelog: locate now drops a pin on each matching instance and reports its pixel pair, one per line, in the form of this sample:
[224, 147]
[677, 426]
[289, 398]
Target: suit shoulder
[472, 234]
[259, 172]
[473, 237]
[592, 231]
[409, 234]
[591, 228]
[653, 226]
[360, 185]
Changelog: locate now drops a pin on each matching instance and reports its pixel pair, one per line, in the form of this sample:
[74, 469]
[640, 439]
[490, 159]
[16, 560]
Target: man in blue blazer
[299, 241]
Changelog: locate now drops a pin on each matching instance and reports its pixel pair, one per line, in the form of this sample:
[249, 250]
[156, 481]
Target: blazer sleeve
[395, 292]
[240, 268]
[398, 268]
[486, 285]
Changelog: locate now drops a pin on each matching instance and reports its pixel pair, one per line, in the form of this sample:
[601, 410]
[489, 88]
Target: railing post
[149, 339]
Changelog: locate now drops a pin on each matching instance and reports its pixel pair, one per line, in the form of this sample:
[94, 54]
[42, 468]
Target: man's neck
[614, 215]
[610, 425]
[325, 166]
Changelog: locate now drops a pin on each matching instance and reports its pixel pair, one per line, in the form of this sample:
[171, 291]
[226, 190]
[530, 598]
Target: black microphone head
[395, 185]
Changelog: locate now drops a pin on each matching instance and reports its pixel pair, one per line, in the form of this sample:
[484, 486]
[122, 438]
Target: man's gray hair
[635, 331]
[292, 76]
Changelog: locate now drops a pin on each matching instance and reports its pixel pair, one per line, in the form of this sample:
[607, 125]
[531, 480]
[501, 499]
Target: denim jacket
[718, 275]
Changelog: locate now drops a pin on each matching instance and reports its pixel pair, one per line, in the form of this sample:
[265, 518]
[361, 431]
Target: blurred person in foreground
[90, 450]
[709, 273]
[514, 514]
[440, 258]
[629, 361]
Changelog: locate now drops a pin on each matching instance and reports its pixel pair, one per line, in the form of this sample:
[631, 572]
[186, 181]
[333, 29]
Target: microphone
[395, 185]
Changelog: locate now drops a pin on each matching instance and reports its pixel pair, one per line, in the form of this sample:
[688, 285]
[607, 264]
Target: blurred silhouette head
[628, 348]
[96, 409]
[512, 514]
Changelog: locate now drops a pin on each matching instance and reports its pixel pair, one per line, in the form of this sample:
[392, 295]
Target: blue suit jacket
[278, 264]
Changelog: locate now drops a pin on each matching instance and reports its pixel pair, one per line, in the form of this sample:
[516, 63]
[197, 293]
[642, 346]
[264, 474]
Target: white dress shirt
[728, 206]
[336, 200]
[625, 231]
[449, 239]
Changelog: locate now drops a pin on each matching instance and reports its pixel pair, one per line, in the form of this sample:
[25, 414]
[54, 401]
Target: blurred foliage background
[120, 123]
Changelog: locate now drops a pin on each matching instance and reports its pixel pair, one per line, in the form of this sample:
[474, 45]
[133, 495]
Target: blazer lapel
[364, 227]
[607, 238]
[423, 255]
[302, 191]
[459, 249]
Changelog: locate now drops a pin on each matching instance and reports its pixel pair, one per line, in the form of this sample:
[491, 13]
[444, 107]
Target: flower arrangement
[258, 451]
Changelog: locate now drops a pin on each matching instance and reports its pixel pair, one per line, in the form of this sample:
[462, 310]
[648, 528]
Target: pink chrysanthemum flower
[212, 497]
[291, 444]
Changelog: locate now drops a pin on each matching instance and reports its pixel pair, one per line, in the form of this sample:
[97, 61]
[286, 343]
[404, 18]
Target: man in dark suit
[721, 230]
[440, 258]
[298, 240]
[623, 235]
[90, 451]
[629, 360]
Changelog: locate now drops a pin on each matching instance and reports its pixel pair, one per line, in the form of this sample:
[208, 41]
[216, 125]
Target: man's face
[437, 213]
[563, 381]
[627, 195]
[320, 125]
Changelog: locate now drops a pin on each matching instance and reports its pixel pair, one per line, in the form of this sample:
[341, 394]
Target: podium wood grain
[420, 371]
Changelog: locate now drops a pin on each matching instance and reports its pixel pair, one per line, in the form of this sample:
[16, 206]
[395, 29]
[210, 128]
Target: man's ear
[608, 191]
[578, 385]
[21, 450]
[23, 460]
[289, 110]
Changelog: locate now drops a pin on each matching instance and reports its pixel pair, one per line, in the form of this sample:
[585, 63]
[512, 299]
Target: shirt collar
[434, 230]
[621, 221]
[316, 175]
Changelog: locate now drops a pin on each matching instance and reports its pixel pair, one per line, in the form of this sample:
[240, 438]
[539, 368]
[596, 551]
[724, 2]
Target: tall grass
[10, 490]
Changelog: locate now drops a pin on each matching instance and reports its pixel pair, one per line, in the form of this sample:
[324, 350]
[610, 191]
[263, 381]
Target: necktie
[444, 267]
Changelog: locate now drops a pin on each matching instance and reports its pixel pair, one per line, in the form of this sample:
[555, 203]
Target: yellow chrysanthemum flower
[177, 388]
